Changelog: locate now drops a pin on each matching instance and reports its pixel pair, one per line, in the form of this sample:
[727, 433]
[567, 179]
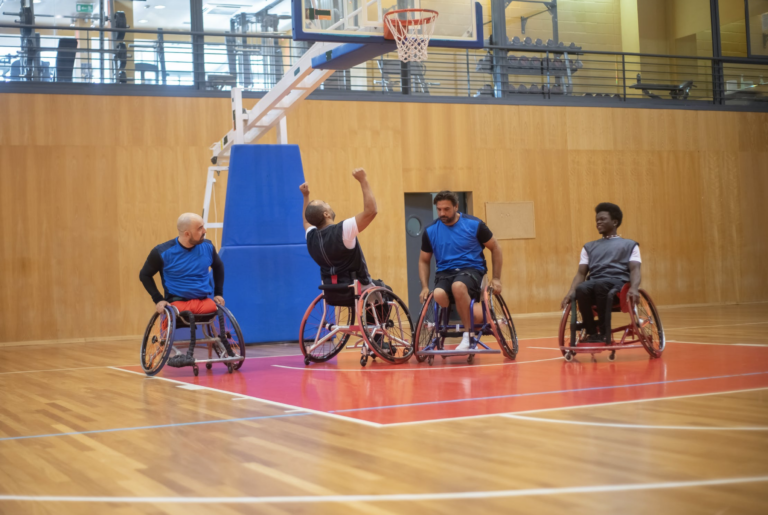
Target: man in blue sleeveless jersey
[183, 265]
[457, 241]
[610, 262]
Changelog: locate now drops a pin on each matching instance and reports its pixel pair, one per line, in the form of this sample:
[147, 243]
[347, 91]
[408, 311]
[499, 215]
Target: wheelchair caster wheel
[568, 356]
[195, 370]
[209, 365]
[470, 358]
[431, 360]
[230, 368]
[363, 361]
[306, 362]
[612, 356]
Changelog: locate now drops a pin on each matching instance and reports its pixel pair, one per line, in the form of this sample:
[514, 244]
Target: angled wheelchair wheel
[501, 320]
[565, 336]
[158, 341]
[387, 326]
[647, 325]
[319, 336]
[232, 334]
[426, 326]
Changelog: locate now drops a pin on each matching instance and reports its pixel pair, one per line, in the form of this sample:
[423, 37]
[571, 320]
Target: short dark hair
[612, 209]
[315, 213]
[447, 195]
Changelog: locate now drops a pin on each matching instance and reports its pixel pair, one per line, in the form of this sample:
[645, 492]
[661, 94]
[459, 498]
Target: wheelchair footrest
[181, 360]
[220, 360]
[600, 348]
[457, 352]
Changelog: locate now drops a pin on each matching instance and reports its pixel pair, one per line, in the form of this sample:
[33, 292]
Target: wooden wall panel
[88, 185]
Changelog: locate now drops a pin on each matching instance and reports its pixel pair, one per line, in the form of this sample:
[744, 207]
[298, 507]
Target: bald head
[187, 220]
[191, 229]
[317, 211]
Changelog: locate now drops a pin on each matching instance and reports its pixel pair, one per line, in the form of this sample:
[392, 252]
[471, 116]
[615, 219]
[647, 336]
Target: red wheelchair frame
[384, 326]
[643, 332]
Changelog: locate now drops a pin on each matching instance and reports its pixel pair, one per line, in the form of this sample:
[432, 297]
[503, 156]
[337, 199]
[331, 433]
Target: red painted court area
[538, 379]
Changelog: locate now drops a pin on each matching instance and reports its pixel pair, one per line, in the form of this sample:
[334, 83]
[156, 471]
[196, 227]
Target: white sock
[464, 342]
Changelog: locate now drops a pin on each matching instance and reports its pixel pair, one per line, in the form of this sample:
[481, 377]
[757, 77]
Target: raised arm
[304, 188]
[365, 218]
[497, 259]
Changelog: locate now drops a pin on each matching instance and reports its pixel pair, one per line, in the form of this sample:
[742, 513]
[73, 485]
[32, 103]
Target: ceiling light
[142, 21]
[58, 16]
[38, 1]
[159, 7]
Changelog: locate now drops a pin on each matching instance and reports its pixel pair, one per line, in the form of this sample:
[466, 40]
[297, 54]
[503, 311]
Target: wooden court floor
[81, 433]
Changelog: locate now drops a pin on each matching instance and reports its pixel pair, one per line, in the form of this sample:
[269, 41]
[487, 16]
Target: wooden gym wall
[89, 184]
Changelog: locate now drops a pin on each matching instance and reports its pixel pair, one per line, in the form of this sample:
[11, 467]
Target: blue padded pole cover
[270, 279]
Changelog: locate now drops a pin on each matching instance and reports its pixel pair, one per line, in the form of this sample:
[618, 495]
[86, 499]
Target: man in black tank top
[334, 246]
[610, 262]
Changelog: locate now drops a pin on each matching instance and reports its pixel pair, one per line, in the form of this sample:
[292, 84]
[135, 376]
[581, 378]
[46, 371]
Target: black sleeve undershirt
[426, 245]
[484, 234]
[152, 266]
[218, 275]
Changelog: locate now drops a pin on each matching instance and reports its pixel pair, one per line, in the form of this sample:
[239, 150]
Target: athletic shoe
[464, 345]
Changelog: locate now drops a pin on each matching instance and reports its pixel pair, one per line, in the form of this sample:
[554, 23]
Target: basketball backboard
[459, 24]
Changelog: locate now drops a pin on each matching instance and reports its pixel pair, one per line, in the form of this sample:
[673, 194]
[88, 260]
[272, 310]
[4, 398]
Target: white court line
[265, 401]
[632, 426]
[708, 343]
[447, 496]
[131, 365]
[420, 369]
[709, 326]
[417, 422]
[63, 369]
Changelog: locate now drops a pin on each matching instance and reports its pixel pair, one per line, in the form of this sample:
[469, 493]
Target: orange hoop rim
[407, 23]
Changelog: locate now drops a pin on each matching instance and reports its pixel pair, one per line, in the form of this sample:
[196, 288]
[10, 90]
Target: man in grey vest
[610, 262]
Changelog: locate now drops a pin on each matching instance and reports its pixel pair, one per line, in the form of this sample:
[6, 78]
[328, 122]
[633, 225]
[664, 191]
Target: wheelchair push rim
[426, 328]
[501, 323]
[647, 325]
[158, 341]
[386, 325]
[232, 334]
[320, 338]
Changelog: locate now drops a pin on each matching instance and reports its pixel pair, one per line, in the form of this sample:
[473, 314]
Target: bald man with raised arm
[183, 264]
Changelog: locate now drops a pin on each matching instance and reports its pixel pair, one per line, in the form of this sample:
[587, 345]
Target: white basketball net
[411, 29]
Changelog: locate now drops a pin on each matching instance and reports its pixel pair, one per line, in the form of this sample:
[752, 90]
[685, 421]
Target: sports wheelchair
[643, 332]
[159, 342]
[434, 327]
[384, 327]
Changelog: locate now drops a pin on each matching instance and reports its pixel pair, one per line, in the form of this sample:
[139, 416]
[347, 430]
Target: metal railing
[256, 62]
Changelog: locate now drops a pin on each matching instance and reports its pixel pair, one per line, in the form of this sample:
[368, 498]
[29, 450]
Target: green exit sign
[84, 8]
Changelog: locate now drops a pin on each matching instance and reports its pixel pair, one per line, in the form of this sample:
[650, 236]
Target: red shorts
[196, 306]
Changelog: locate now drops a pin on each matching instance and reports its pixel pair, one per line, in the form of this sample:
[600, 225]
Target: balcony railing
[257, 61]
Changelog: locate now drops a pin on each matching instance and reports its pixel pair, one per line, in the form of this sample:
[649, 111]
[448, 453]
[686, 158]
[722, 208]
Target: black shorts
[471, 277]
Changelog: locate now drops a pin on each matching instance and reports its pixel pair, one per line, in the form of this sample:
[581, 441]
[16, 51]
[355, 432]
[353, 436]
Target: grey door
[418, 215]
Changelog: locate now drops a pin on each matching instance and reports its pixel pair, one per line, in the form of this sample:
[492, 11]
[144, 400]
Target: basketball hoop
[411, 30]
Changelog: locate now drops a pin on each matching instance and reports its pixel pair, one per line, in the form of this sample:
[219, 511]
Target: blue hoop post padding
[269, 279]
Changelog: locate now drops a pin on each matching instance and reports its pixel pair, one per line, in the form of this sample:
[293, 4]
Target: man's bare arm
[425, 263]
[581, 276]
[304, 188]
[365, 218]
[497, 259]
[634, 281]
